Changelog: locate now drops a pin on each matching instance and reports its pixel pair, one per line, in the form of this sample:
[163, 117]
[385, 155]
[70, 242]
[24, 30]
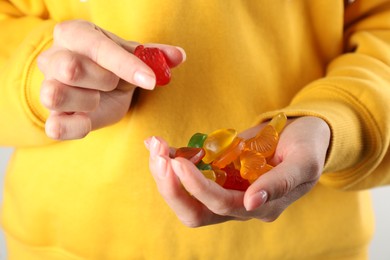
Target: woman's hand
[197, 201]
[87, 71]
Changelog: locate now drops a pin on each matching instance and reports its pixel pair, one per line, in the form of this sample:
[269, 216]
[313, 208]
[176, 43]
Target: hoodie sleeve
[354, 99]
[25, 32]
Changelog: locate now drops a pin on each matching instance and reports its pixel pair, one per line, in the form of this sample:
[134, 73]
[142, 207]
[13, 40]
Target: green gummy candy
[203, 166]
[197, 140]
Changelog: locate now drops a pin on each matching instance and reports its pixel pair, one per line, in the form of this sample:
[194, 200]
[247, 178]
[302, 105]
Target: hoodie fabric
[94, 198]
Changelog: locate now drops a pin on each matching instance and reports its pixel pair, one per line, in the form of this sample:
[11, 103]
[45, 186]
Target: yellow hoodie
[95, 198]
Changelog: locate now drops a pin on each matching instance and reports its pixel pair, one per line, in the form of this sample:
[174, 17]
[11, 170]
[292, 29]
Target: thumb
[279, 182]
[175, 55]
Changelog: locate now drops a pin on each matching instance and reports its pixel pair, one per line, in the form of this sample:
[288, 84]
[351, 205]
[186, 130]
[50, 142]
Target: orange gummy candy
[230, 154]
[253, 164]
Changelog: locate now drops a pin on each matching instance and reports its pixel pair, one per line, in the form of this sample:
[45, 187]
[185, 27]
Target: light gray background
[379, 250]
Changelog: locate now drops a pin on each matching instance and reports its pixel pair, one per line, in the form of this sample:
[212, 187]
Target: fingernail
[263, 196]
[144, 80]
[154, 146]
[257, 199]
[147, 143]
[162, 166]
[177, 168]
[183, 53]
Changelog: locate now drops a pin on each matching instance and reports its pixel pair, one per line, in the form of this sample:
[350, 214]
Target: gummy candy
[193, 154]
[230, 161]
[203, 166]
[234, 180]
[221, 176]
[217, 142]
[209, 174]
[279, 122]
[264, 142]
[197, 140]
[230, 154]
[252, 164]
[156, 60]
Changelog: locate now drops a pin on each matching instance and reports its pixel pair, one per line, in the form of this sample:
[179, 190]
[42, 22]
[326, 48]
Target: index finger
[221, 201]
[87, 39]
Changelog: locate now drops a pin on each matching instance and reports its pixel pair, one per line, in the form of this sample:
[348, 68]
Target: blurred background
[379, 250]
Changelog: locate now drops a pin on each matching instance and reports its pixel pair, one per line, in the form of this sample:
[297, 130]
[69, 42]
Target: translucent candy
[209, 174]
[279, 122]
[215, 175]
[267, 139]
[264, 142]
[229, 160]
[217, 142]
[252, 165]
[267, 168]
[197, 140]
[195, 155]
[203, 166]
[234, 181]
[221, 176]
[230, 154]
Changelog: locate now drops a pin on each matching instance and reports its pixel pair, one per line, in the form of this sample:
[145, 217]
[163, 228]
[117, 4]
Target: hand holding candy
[236, 162]
[298, 159]
[85, 78]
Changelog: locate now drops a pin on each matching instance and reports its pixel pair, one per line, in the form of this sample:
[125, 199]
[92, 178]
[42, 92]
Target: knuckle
[83, 129]
[192, 222]
[62, 30]
[313, 170]
[111, 81]
[52, 95]
[58, 31]
[285, 186]
[70, 69]
[66, 30]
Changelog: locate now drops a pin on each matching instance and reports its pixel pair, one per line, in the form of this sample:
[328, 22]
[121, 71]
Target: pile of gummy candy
[231, 161]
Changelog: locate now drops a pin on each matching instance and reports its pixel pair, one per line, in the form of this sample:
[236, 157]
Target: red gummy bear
[156, 60]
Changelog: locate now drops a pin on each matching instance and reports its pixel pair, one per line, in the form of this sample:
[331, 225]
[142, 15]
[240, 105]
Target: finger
[219, 200]
[271, 210]
[281, 180]
[157, 146]
[77, 70]
[63, 98]
[148, 142]
[188, 210]
[106, 52]
[175, 55]
[62, 126]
